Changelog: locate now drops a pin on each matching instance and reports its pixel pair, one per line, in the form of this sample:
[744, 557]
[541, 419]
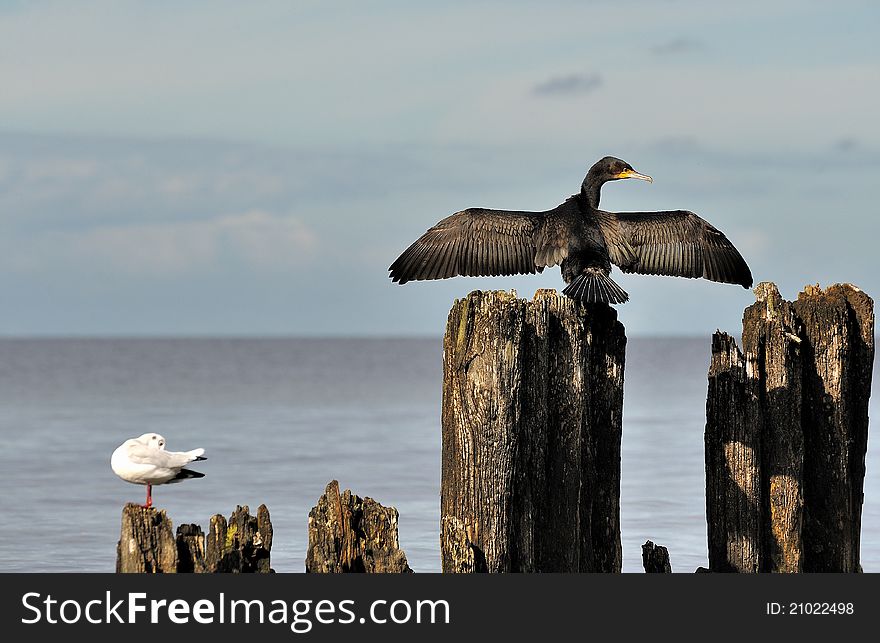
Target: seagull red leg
[149, 496]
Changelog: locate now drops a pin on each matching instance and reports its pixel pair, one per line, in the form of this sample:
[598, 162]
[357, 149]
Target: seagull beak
[632, 174]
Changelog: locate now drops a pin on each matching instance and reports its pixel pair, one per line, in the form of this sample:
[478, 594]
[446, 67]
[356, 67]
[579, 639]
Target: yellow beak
[632, 174]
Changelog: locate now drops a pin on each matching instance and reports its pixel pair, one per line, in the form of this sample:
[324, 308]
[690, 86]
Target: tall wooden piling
[786, 433]
[532, 407]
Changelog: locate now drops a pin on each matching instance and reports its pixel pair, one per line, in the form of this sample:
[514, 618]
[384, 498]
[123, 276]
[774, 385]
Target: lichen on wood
[147, 543]
[241, 544]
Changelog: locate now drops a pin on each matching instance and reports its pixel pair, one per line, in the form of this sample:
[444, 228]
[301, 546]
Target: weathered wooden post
[191, 550]
[786, 433]
[348, 533]
[655, 559]
[146, 542]
[733, 489]
[242, 544]
[532, 406]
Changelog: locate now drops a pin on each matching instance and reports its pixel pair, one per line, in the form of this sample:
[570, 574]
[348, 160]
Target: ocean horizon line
[277, 336]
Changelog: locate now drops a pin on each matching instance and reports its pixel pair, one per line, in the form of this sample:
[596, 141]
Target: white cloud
[59, 169]
[267, 241]
[256, 240]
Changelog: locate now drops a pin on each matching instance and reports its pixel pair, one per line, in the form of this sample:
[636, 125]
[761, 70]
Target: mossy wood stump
[532, 407]
[786, 433]
[350, 534]
[242, 544]
[147, 543]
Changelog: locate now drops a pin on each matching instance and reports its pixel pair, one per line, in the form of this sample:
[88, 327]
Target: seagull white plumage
[144, 460]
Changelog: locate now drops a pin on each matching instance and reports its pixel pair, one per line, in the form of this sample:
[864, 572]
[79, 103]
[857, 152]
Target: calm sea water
[279, 418]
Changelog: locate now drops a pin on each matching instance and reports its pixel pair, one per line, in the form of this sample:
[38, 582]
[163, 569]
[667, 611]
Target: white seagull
[144, 460]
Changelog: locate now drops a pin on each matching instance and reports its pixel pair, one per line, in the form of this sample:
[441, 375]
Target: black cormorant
[580, 237]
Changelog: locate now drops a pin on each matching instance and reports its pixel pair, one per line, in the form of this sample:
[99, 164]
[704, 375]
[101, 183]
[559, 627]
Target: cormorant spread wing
[676, 243]
[480, 242]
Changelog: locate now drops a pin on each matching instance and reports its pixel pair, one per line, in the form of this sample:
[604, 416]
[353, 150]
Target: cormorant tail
[594, 286]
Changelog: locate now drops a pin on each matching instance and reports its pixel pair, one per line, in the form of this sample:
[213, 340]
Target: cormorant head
[612, 169]
[607, 169]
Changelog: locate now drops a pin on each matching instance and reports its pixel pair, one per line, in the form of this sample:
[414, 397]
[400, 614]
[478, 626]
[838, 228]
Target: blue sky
[253, 168]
